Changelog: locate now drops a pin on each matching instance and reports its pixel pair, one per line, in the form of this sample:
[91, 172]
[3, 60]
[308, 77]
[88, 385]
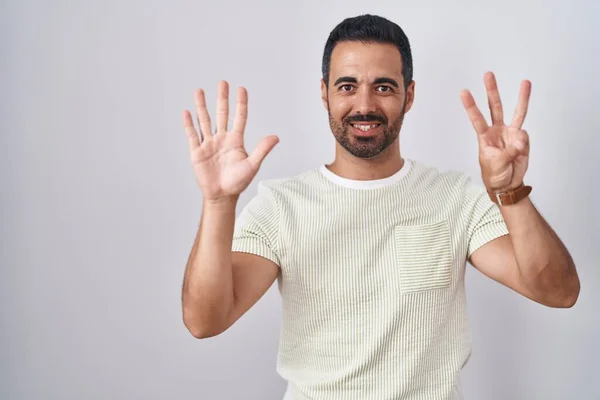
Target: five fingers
[222, 114]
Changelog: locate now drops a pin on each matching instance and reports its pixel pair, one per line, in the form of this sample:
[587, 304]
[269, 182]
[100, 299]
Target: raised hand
[503, 150]
[221, 164]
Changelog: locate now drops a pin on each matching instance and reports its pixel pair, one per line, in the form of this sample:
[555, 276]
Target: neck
[383, 166]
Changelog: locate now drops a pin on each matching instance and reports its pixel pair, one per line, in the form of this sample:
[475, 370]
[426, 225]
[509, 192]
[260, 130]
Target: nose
[365, 101]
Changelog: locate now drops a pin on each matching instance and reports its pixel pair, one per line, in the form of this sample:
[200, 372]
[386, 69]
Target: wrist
[505, 189]
[221, 202]
[507, 197]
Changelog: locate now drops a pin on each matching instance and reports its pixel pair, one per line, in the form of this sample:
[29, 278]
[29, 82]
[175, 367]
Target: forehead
[365, 59]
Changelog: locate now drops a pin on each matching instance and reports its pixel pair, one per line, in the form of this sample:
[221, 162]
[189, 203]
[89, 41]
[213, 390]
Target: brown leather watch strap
[510, 197]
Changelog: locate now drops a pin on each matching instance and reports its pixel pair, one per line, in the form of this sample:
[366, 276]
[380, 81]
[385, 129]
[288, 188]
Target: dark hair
[369, 29]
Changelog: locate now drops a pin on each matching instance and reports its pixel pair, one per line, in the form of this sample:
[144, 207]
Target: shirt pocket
[424, 256]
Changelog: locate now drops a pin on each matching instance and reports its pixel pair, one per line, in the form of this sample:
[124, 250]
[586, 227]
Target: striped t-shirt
[372, 278]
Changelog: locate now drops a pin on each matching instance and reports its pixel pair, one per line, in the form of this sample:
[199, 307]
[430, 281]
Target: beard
[366, 147]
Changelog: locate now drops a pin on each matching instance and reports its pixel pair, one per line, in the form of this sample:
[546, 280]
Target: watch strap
[510, 197]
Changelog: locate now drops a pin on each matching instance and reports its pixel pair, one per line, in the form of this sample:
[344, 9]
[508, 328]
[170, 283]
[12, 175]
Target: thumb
[262, 149]
[513, 150]
[517, 146]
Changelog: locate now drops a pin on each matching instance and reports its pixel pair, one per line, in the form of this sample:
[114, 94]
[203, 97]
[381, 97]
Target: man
[369, 251]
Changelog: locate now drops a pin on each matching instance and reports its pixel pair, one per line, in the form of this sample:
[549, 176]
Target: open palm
[503, 149]
[221, 164]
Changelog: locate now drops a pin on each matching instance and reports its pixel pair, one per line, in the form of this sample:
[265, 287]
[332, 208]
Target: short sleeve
[485, 221]
[257, 227]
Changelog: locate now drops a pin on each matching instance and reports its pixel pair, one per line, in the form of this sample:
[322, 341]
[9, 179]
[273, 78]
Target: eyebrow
[387, 80]
[345, 79]
[349, 79]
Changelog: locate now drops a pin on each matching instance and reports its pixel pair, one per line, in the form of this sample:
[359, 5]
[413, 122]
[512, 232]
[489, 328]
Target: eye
[384, 89]
[346, 88]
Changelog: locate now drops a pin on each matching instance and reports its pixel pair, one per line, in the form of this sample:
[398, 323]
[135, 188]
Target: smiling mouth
[365, 127]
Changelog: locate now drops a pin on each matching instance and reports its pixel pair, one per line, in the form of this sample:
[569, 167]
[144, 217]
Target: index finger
[190, 131]
[241, 111]
[522, 106]
[202, 113]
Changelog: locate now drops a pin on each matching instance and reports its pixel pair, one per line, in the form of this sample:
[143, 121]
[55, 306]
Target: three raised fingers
[495, 104]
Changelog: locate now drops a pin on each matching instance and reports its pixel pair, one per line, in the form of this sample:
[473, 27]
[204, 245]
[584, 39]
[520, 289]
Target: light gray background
[100, 206]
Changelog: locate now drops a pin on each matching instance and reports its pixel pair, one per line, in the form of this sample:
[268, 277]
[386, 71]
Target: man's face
[366, 99]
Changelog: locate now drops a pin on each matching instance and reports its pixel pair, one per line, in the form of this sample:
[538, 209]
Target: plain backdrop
[100, 206]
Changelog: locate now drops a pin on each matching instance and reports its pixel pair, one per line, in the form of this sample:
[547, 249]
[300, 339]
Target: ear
[324, 94]
[410, 96]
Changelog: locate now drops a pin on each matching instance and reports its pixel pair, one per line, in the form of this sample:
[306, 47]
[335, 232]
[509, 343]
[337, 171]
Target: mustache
[366, 118]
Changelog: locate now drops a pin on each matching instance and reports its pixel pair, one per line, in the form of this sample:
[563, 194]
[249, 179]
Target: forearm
[207, 294]
[545, 264]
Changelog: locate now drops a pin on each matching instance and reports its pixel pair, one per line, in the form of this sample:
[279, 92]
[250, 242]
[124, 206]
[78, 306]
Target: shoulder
[291, 186]
[438, 180]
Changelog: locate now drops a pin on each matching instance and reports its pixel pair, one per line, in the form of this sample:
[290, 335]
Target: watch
[510, 197]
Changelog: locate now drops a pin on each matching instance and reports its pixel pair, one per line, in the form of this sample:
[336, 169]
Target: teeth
[365, 127]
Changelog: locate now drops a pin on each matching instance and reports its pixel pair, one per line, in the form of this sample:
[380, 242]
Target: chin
[365, 152]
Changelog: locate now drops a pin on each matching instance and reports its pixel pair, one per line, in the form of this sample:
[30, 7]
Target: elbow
[199, 327]
[570, 302]
[572, 293]
[560, 291]
[201, 331]
[568, 299]
[565, 302]
[571, 299]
